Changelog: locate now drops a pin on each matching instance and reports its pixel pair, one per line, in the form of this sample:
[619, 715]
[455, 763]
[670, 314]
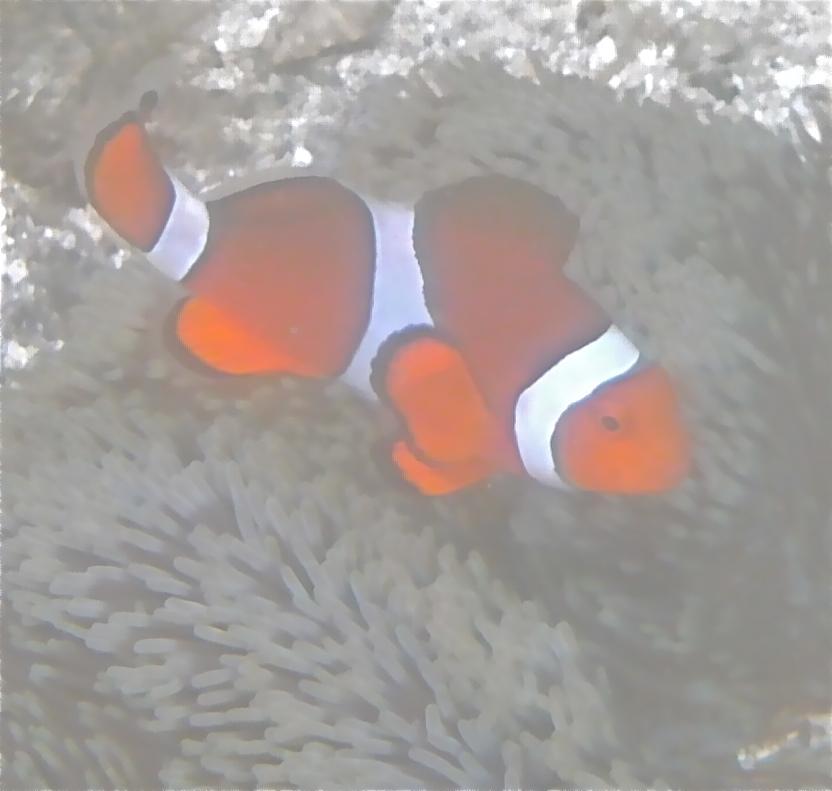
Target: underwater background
[218, 583]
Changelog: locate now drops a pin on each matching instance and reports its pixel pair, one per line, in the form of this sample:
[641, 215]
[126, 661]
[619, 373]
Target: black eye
[610, 423]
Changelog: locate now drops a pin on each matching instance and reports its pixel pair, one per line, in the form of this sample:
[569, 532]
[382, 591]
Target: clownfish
[454, 311]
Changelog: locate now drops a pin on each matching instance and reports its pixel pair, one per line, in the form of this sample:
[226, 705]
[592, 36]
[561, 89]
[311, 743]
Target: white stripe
[398, 290]
[542, 404]
[184, 235]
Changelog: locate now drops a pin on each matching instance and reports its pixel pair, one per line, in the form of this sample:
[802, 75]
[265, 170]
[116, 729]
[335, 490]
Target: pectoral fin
[428, 383]
[435, 480]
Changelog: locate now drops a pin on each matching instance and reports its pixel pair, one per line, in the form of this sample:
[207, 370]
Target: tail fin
[125, 181]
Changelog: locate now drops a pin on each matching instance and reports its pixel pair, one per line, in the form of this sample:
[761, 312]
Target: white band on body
[398, 299]
[183, 238]
[542, 404]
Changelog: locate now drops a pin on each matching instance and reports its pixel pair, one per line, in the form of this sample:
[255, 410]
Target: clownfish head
[628, 437]
[603, 420]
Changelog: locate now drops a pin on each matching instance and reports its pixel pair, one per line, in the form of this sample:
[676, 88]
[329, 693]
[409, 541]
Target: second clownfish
[454, 311]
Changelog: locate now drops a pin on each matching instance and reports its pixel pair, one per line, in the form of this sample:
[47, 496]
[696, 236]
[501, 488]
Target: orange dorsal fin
[492, 251]
[222, 343]
[429, 385]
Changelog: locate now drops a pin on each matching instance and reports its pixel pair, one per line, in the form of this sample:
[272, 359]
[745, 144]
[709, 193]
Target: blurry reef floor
[220, 585]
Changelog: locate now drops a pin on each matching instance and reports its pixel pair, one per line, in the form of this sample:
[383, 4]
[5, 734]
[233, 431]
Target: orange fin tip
[217, 341]
[437, 480]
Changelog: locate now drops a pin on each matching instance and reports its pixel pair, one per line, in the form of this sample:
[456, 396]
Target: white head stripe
[398, 290]
[184, 235]
[542, 404]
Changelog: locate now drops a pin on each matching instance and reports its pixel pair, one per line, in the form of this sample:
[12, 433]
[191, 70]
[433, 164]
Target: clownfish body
[455, 312]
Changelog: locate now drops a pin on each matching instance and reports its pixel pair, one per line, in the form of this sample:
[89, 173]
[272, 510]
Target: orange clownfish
[454, 311]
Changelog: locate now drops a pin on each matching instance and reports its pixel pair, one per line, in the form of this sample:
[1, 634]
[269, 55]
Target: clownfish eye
[610, 423]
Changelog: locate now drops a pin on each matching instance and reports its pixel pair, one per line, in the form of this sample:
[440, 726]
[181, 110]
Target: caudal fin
[125, 181]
